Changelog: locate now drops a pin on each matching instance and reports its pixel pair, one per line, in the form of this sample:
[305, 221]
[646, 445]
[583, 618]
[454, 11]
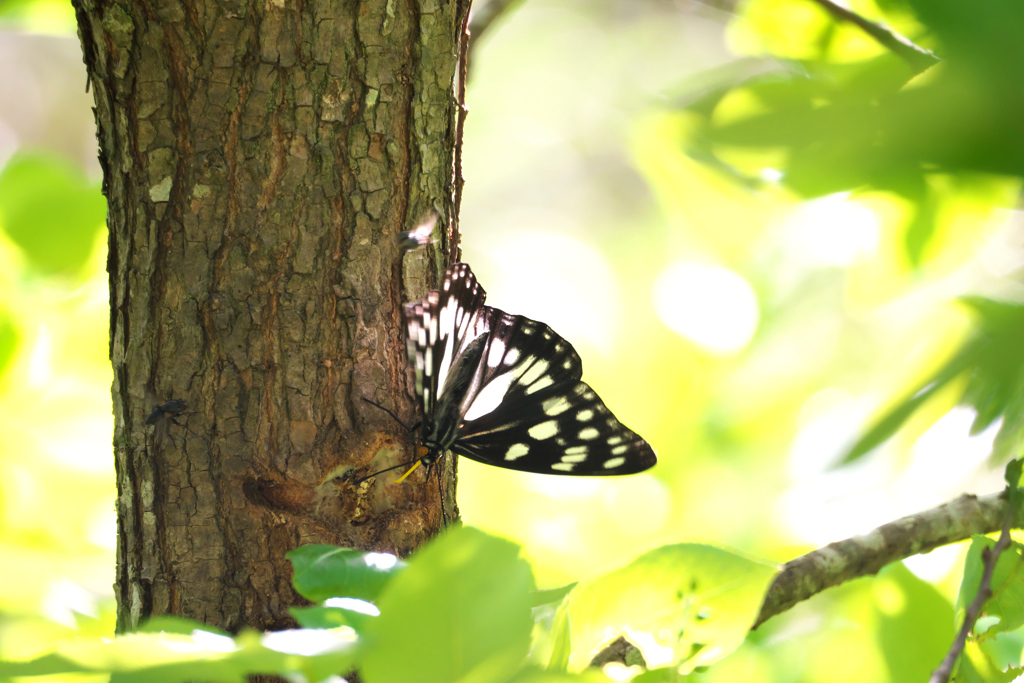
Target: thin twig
[917, 57]
[989, 556]
[465, 42]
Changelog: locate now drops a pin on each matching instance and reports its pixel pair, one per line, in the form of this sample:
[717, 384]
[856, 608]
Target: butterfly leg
[436, 466]
[440, 495]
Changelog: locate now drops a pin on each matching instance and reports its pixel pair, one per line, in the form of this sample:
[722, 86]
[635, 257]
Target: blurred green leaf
[531, 675]
[1007, 601]
[171, 657]
[915, 623]
[877, 123]
[167, 623]
[8, 339]
[657, 676]
[975, 666]
[538, 598]
[993, 362]
[43, 666]
[461, 610]
[326, 571]
[49, 16]
[329, 617]
[697, 600]
[49, 209]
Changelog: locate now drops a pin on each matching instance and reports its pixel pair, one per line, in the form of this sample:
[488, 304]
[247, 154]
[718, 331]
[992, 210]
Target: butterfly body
[506, 390]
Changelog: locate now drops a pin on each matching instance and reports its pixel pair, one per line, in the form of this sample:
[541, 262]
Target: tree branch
[864, 555]
[918, 58]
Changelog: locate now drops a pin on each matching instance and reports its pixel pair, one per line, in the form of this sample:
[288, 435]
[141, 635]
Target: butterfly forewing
[439, 329]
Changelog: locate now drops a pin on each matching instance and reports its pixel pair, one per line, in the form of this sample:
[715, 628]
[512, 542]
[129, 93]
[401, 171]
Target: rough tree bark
[259, 158]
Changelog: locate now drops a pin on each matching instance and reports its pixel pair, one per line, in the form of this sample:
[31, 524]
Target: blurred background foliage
[755, 223]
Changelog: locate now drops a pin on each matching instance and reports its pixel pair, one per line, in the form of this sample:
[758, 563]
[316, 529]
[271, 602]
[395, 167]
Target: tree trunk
[259, 158]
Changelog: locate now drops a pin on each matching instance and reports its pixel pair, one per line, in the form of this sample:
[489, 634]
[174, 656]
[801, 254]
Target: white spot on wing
[490, 397]
[517, 450]
[512, 356]
[555, 406]
[619, 450]
[574, 458]
[612, 463]
[535, 372]
[563, 466]
[545, 430]
[542, 383]
[589, 434]
[612, 440]
[496, 353]
[576, 450]
[584, 415]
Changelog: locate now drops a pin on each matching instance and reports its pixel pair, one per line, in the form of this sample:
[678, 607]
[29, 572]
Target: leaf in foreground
[1007, 601]
[688, 604]
[202, 655]
[460, 611]
[326, 571]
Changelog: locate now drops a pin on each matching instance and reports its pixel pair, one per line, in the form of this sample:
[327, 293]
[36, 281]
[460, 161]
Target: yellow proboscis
[407, 473]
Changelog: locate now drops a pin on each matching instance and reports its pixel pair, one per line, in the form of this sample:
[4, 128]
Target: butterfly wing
[527, 409]
[440, 328]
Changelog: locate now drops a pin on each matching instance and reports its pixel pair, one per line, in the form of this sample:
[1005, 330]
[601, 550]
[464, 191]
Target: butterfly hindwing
[529, 411]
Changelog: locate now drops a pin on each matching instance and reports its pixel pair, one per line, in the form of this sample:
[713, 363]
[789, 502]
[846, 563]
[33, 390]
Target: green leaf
[329, 617]
[975, 666]
[172, 657]
[50, 210]
[326, 571]
[1007, 601]
[8, 339]
[538, 598]
[915, 623]
[532, 675]
[993, 362]
[688, 604]
[167, 623]
[459, 612]
[888, 425]
[46, 665]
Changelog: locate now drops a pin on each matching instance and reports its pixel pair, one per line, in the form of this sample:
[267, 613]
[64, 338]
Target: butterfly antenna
[393, 416]
[415, 463]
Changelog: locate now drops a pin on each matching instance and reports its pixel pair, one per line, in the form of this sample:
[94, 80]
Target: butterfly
[505, 390]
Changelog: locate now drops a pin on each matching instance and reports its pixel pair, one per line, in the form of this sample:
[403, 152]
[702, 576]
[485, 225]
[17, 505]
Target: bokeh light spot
[830, 231]
[711, 306]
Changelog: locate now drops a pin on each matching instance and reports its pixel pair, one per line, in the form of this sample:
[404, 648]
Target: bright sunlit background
[748, 336]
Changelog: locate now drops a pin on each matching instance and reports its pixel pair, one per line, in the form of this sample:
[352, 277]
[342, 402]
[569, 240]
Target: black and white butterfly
[505, 390]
